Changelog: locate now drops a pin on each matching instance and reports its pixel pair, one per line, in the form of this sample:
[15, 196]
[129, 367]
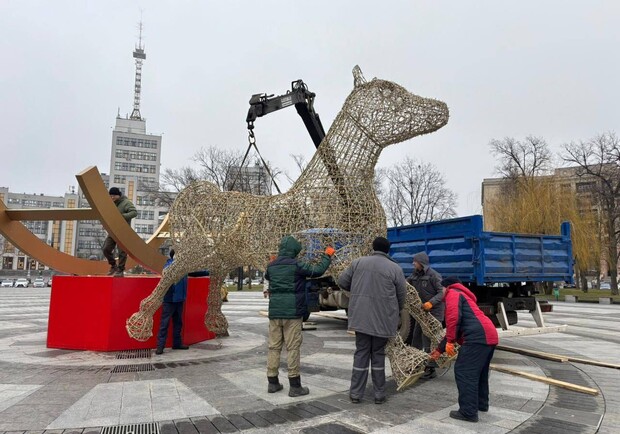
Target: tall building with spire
[136, 157]
[134, 166]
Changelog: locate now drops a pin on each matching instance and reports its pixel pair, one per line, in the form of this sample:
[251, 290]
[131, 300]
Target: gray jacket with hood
[378, 289]
[428, 284]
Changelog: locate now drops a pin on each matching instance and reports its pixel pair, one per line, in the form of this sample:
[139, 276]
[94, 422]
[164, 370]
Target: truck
[501, 269]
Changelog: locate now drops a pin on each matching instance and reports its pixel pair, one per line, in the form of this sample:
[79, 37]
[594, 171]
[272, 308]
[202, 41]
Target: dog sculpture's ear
[358, 77]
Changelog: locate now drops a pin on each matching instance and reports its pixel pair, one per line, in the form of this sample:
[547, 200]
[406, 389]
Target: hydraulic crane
[262, 104]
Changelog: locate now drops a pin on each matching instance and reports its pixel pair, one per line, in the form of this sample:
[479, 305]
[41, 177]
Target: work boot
[274, 385]
[296, 389]
[159, 350]
[113, 270]
[456, 414]
[119, 272]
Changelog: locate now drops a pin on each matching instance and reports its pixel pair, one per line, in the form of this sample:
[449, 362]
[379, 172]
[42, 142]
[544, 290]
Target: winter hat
[115, 191]
[450, 281]
[381, 244]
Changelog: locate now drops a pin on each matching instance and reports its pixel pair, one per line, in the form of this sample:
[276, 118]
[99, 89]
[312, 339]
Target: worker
[468, 326]
[287, 307]
[427, 282]
[172, 309]
[378, 291]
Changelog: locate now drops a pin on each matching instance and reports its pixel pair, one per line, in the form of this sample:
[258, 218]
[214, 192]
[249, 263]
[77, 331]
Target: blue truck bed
[460, 247]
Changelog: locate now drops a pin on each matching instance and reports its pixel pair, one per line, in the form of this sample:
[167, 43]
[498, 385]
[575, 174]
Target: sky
[505, 69]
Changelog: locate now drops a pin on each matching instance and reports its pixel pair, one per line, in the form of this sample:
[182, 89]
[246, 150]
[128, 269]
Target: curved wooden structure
[103, 209]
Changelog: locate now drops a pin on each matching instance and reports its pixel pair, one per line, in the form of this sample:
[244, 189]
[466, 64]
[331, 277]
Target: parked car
[605, 286]
[22, 283]
[6, 283]
[39, 282]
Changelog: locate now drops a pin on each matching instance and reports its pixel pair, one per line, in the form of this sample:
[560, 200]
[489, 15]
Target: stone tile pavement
[220, 386]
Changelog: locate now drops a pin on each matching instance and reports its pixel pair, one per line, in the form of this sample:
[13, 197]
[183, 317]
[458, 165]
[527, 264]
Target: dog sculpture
[220, 231]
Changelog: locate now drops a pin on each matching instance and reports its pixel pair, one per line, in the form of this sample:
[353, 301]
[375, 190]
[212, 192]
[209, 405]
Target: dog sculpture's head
[389, 114]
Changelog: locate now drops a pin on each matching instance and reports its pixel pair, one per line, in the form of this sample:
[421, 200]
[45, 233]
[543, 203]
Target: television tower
[140, 56]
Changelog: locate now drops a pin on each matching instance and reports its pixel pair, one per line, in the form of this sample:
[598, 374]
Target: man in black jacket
[427, 283]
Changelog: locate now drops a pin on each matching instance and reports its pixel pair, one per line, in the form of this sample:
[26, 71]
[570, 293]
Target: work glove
[329, 251]
[427, 306]
[450, 351]
[434, 355]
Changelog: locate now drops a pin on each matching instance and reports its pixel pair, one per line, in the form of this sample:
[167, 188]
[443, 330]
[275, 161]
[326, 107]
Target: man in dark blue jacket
[172, 307]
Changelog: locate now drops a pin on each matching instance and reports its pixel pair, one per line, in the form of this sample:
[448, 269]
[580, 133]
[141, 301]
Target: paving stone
[239, 422]
[204, 425]
[271, 417]
[331, 428]
[223, 424]
[185, 426]
[299, 412]
[256, 420]
[168, 428]
[312, 409]
[324, 406]
[581, 417]
[285, 414]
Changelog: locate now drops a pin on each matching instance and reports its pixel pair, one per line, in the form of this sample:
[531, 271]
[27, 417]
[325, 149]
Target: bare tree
[522, 159]
[599, 159]
[213, 164]
[416, 192]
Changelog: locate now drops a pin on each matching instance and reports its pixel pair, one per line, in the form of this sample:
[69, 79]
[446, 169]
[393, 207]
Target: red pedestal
[89, 312]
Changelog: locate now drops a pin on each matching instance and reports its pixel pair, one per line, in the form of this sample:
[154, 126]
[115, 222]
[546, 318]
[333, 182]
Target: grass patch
[254, 288]
[591, 295]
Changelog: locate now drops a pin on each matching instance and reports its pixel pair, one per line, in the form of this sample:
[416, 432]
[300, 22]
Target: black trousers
[471, 372]
[174, 311]
[108, 251]
[368, 349]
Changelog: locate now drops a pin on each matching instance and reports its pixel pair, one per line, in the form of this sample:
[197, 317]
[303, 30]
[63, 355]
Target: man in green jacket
[128, 211]
[287, 306]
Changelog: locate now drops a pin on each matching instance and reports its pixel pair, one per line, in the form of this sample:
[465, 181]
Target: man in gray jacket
[428, 284]
[378, 289]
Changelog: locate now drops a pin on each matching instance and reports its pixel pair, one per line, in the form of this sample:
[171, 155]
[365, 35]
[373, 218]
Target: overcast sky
[546, 68]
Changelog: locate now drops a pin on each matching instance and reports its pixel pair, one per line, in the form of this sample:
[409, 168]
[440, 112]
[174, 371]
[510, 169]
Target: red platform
[89, 312]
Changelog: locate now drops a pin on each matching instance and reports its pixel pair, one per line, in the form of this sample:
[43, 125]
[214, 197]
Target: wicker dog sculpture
[220, 231]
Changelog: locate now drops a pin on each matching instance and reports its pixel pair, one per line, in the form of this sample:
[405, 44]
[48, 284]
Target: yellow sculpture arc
[103, 209]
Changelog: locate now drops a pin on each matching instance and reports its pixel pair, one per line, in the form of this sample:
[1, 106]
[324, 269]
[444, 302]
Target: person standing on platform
[427, 283]
[378, 292]
[172, 309]
[287, 306]
[468, 326]
[128, 211]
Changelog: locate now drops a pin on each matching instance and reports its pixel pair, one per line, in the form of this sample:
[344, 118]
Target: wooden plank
[557, 357]
[593, 362]
[547, 380]
[331, 315]
[532, 353]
